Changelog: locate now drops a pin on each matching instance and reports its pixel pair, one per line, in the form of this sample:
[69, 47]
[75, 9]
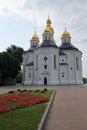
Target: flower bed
[10, 102]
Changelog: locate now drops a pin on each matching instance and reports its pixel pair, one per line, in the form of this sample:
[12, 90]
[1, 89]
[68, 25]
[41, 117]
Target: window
[45, 66]
[77, 66]
[29, 75]
[36, 62]
[62, 60]
[65, 40]
[33, 43]
[62, 74]
[45, 37]
[54, 61]
[49, 37]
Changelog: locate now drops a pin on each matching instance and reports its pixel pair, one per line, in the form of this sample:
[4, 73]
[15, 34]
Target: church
[48, 64]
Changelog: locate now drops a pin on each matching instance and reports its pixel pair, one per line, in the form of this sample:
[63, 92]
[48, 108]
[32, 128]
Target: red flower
[13, 101]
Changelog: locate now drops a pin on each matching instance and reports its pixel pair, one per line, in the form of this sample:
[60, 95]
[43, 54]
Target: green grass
[25, 118]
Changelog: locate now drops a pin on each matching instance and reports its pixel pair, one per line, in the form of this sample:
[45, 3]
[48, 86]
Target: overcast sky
[18, 19]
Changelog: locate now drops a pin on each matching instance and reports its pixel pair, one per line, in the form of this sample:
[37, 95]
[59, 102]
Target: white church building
[49, 64]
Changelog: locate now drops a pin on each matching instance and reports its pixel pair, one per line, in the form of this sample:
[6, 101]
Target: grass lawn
[27, 118]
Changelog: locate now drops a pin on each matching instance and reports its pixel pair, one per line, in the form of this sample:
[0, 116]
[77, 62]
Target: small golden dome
[47, 31]
[66, 34]
[35, 37]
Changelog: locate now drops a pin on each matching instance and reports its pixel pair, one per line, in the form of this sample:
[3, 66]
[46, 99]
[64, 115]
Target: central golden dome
[47, 30]
[35, 37]
[66, 34]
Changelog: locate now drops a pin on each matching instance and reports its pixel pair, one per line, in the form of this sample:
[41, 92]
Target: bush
[29, 90]
[37, 90]
[45, 89]
[19, 77]
[18, 90]
[84, 80]
[42, 91]
[24, 90]
[11, 92]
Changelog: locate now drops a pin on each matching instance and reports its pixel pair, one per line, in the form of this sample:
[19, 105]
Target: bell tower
[48, 31]
[66, 38]
[34, 42]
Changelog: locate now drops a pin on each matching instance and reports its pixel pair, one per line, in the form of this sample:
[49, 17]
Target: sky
[19, 18]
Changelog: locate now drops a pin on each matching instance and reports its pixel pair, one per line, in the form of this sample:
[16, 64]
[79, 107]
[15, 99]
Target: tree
[85, 80]
[9, 66]
[17, 52]
[19, 77]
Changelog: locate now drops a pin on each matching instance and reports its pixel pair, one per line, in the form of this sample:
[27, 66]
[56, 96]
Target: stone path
[69, 110]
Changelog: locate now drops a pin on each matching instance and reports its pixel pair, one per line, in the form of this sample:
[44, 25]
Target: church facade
[48, 64]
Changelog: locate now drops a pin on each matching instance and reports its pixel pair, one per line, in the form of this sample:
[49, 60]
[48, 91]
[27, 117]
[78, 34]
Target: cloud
[72, 13]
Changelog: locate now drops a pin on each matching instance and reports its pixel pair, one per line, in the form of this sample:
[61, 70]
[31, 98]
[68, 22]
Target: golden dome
[35, 37]
[66, 34]
[51, 28]
[47, 31]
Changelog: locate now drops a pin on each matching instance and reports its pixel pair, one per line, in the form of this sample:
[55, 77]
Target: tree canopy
[17, 52]
[9, 66]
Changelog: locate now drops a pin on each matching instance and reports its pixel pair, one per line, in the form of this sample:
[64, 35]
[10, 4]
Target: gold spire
[35, 36]
[49, 28]
[48, 21]
[66, 33]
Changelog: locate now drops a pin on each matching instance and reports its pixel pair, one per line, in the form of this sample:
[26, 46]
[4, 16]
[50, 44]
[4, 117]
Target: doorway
[45, 81]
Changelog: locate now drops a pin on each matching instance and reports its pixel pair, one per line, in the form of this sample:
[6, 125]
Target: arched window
[65, 40]
[49, 37]
[33, 44]
[54, 61]
[77, 63]
[68, 40]
[45, 37]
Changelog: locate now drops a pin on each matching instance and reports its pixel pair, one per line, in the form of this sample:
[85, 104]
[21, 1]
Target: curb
[40, 127]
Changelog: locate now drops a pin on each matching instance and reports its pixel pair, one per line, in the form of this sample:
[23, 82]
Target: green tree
[84, 80]
[19, 77]
[17, 52]
[9, 66]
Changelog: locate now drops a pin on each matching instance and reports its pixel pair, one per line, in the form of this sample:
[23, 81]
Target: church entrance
[45, 81]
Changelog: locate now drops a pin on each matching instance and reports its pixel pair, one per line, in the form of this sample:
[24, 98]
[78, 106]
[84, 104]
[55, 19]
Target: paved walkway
[69, 110]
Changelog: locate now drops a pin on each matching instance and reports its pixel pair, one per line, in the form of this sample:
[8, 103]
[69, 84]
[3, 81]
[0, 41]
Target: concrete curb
[40, 127]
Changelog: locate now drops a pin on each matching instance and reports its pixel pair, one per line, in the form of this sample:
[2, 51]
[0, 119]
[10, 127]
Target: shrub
[29, 90]
[23, 90]
[42, 91]
[11, 92]
[84, 80]
[45, 89]
[18, 90]
[37, 90]
[19, 77]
